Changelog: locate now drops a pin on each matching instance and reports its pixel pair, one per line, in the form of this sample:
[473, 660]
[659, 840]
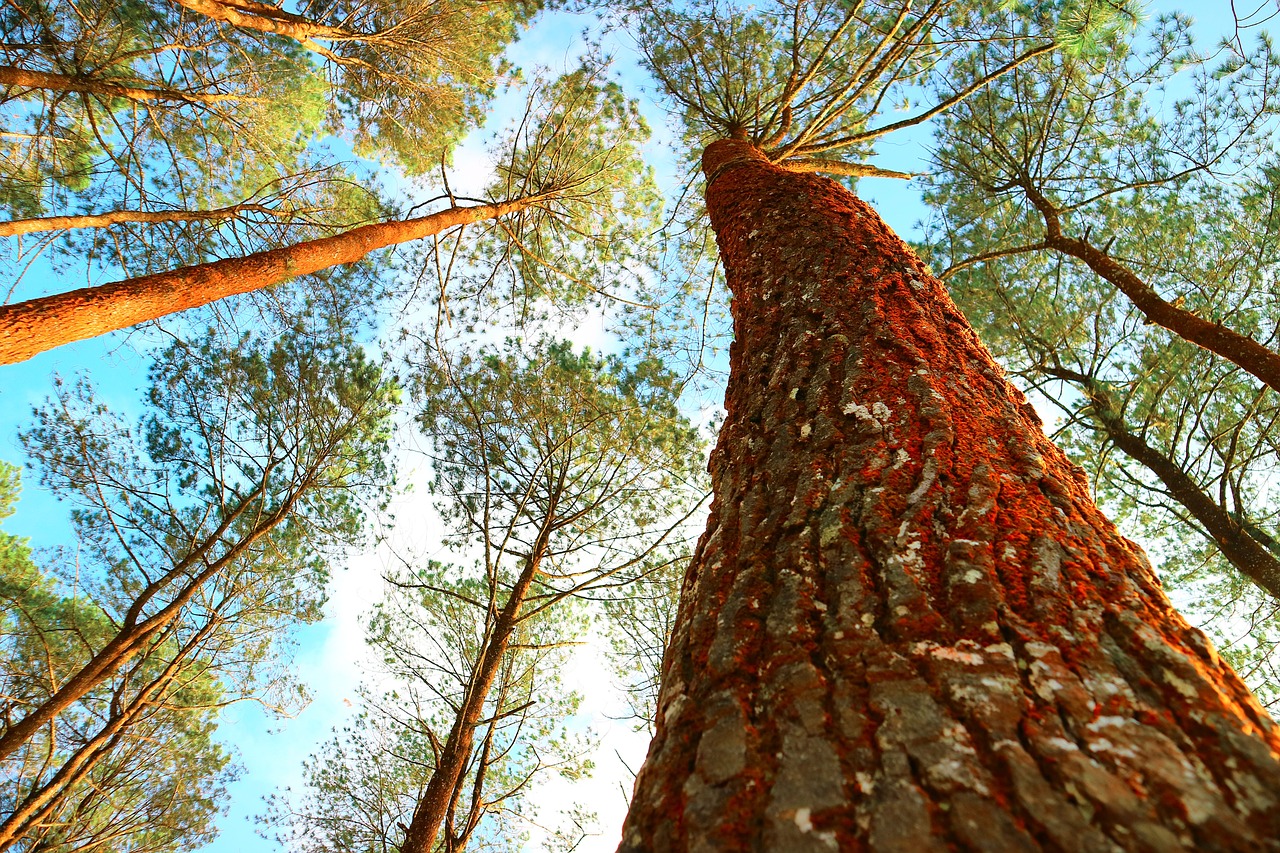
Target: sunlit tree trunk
[908, 627]
[185, 578]
[455, 754]
[32, 814]
[31, 327]
[268, 19]
[41, 224]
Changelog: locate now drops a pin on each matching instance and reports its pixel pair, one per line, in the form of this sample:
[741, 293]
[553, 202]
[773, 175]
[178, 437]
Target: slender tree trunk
[266, 18]
[908, 627]
[27, 79]
[31, 327]
[1241, 350]
[135, 633]
[1251, 557]
[433, 805]
[1235, 347]
[40, 803]
[36, 225]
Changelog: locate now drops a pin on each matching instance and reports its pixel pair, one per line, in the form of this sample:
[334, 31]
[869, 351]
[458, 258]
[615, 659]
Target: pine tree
[908, 626]
[563, 474]
[553, 186]
[204, 534]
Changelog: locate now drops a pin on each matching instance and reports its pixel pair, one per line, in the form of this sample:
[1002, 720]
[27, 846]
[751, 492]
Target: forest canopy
[373, 368]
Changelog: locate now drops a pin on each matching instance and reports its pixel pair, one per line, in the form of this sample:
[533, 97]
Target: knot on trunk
[724, 154]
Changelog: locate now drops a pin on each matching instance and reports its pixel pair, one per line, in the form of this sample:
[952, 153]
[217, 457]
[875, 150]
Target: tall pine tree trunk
[452, 760]
[908, 627]
[31, 327]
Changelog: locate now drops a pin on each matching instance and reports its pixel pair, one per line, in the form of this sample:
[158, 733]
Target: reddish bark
[908, 627]
[31, 327]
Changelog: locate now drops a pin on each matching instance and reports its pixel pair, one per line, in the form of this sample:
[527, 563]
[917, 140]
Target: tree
[907, 626]
[158, 782]
[1103, 158]
[564, 473]
[431, 638]
[549, 181]
[170, 107]
[151, 141]
[135, 766]
[197, 550]
[409, 77]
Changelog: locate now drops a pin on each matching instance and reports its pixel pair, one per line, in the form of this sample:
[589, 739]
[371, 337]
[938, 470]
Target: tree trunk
[1252, 557]
[27, 79]
[266, 18]
[31, 327]
[1239, 349]
[134, 632]
[39, 803]
[451, 763]
[18, 227]
[908, 627]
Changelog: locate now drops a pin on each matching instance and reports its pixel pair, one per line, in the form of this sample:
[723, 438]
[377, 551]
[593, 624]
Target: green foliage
[601, 435]
[274, 102]
[297, 427]
[805, 80]
[1083, 26]
[566, 468]
[233, 125]
[639, 619]
[234, 118]
[578, 151]
[1159, 158]
[203, 534]
[417, 74]
[363, 784]
[150, 787]
[726, 69]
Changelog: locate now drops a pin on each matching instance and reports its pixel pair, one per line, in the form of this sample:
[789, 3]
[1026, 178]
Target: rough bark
[907, 626]
[31, 327]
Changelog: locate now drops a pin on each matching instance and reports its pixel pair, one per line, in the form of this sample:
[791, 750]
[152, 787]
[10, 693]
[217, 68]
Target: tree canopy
[1103, 197]
[202, 535]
